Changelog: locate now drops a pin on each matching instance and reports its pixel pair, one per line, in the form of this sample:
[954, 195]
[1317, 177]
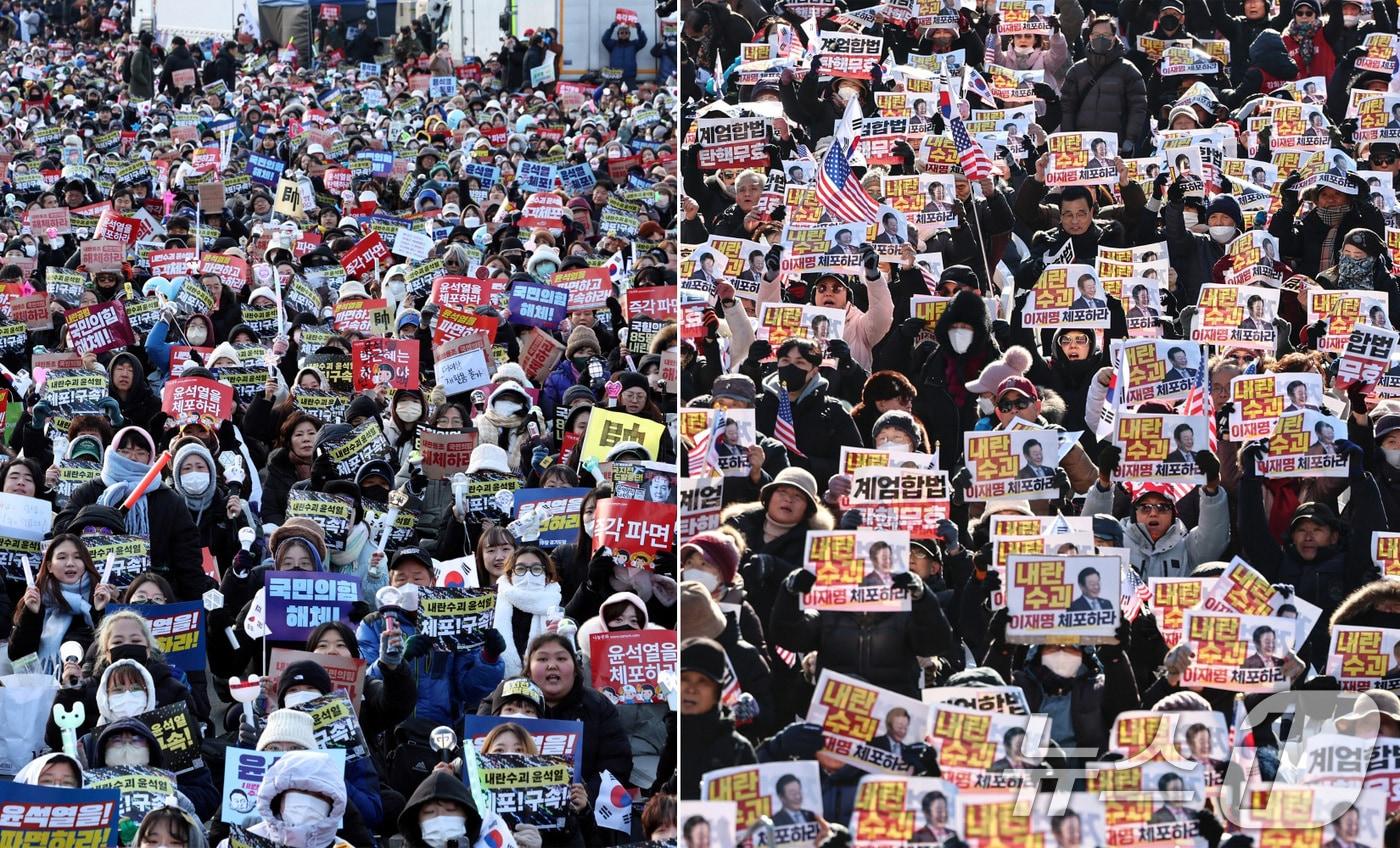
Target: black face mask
[139, 653]
[792, 377]
[1170, 23]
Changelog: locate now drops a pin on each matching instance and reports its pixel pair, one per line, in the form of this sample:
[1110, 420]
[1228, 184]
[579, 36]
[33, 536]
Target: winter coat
[562, 377]
[1179, 550]
[438, 786]
[140, 404]
[1098, 693]
[449, 685]
[1300, 242]
[943, 403]
[178, 59]
[605, 746]
[881, 648]
[665, 53]
[1054, 61]
[820, 421]
[1324, 61]
[865, 329]
[142, 82]
[1193, 255]
[175, 553]
[163, 686]
[708, 743]
[197, 784]
[623, 54]
[767, 564]
[1105, 94]
[278, 479]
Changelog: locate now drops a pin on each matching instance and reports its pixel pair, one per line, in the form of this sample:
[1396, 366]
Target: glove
[1356, 458]
[1109, 458]
[391, 647]
[1158, 185]
[1316, 333]
[838, 350]
[982, 560]
[493, 648]
[1222, 416]
[418, 646]
[1288, 191]
[1250, 454]
[247, 734]
[922, 758]
[870, 261]
[760, 350]
[800, 740]
[1321, 683]
[745, 710]
[1209, 464]
[772, 263]
[909, 582]
[1061, 481]
[911, 327]
[801, 581]
[600, 570]
[850, 520]
[1284, 589]
[538, 455]
[838, 837]
[758, 570]
[1208, 827]
[245, 561]
[949, 535]
[1176, 193]
[1126, 147]
[996, 628]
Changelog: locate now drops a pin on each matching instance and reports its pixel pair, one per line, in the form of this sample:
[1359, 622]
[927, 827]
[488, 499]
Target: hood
[598, 624]
[242, 328]
[437, 786]
[1359, 608]
[29, 775]
[130, 725]
[362, 405]
[965, 308]
[317, 372]
[509, 387]
[102, 706]
[1135, 537]
[305, 771]
[139, 384]
[1269, 53]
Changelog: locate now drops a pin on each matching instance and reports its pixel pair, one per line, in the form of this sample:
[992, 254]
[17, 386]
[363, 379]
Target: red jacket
[1324, 61]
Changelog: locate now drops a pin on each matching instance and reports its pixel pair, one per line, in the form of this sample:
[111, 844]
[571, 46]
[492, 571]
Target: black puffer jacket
[943, 403]
[278, 479]
[766, 564]
[1300, 242]
[821, 421]
[1105, 94]
[881, 648]
[709, 743]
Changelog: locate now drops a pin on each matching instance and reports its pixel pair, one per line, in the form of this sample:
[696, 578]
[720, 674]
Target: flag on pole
[495, 833]
[971, 156]
[614, 807]
[783, 430]
[845, 199]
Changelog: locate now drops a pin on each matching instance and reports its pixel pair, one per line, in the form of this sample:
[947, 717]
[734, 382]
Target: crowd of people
[958, 279]
[306, 340]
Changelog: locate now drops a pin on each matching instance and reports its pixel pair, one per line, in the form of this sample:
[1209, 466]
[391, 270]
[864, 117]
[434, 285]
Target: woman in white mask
[1028, 52]
[215, 514]
[528, 603]
[407, 410]
[129, 742]
[301, 799]
[441, 810]
[506, 423]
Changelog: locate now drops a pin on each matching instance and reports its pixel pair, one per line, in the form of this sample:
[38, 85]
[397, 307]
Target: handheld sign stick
[151, 476]
[397, 501]
[68, 722]
[28, 572]
[107, 568]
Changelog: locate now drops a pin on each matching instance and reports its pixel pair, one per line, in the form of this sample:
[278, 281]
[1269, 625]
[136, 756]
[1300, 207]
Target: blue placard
[552, 736]
[178, 628]
[487, 175]
[538, 305]
[561, 528]
[369, 69]
[578, 178]
[298, 602]
[265, 169]
[536, 176]
[442, 87]
[69, 816]
[381, 161]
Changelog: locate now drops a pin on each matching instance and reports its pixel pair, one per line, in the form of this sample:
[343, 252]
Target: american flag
[974, 161]
[845, 199]
[1135, 593]
[782, 428]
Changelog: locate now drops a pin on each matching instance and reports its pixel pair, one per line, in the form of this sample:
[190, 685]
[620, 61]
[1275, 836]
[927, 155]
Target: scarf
[773, 529]
[57, 621]
[302, 467]
[121, 476]
[1332, 217]
[197, 502]
[535, 600]
[1356, 273]
[1307, 48]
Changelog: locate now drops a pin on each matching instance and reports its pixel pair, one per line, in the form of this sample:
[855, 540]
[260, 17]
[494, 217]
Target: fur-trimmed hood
[1361, 604]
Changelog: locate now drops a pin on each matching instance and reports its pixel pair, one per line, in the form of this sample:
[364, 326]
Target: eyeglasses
[1018, 404]
[1076, 341]
[1154, 507]
[521, 570]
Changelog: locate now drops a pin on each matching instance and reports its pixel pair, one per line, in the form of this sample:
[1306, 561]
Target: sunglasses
[1018, 404]
[1305, 13]
[1382, 160]
[1154, 507]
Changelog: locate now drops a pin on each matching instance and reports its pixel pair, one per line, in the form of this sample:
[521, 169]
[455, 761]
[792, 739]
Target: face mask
[1024, 51]
[1392, 456]
[439, 830]
[473, 221]
[985, 406]
[893, 445]
[1350, 21]
[506, 407]
[31, 249]
[128, 755]
[529, 581]
[196, 336]
[1062, 663]
[195, 482]
[960, 339]
[704, 578]
[126, 704]
[1222, 234]
[1170, 23]
[663, 201]
[792, 377]
[409, 412]
[1189, 219]
[545, 269]
[1101, 45]
[590, 149]
[300, 808]
[136, 653]
[396, 290]
[296, 699]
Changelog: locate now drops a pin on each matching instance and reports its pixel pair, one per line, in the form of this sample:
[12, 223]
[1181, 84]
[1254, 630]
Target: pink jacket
[1054, 60]
[864, 330]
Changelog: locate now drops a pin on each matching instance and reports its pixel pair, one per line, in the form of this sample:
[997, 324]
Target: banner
[537, 304]
[855, 570]
[1366, 354]
[1082, 158]
[701, 500]
[588, 288]
[445, 452]
[243, 776]
[644, 481]
[385, 362]
[987, 699]
[132, 553]
[635, 531]
[862, 724]
[1171, 598]
[362, 315]
[334, 513]
[903, 810]
[55, 815]
[1148, 803]
[1364, 657]
[553, 737]
[737, 142]
[100, 328]
[456, 619]
[335, 725]
[1343, 311]
[1012, 464]
[794, 809]
[628, 665]
[178, 629]
[346, 673]
[520, 788]
[1056, 599]
[463, 364]
[298, 602]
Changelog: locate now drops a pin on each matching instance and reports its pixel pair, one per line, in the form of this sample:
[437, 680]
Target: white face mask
[1189, 218]
[296, 699]
[300, 808]
[506, 407]
[473, 221]
[438, 830]
[893, 445]
[704, 578]
[31, 249]
[196, 335]
[195, 482]
[1063, 663]
[409, 412]
[128, 755]
[985, 405]
[397, 289]
[961, 340]
[529, 581]
[1222, 234]
[126, 704]
[1023, 51]
[1392, 456]
[1350, 20]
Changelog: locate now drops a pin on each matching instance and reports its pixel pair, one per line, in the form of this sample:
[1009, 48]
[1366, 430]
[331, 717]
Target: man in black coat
[179, 59]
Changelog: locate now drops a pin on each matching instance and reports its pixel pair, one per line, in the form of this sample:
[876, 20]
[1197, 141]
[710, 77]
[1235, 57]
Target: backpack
[411, 758]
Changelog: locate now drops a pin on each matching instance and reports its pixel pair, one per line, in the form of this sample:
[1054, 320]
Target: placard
[388, 363]
[1011, 464]
[196, 398]
[244, 771]
[863, 724]
[57, 815]
[563, 505]
[1054, 599]
[346, 673]
[635, 531]
[178, 629]
[335, 725]
[177, 735]
[855, 570]
[298, 602]
[99, 328]
[456, 619]
[628, 665]
[445, 452]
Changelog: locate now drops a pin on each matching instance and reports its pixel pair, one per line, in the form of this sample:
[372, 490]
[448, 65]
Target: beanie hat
[633, 380]
[902, 421]
[304, 673]
[718, 550]
[303, 529]
[577, 393]
[1182, 110]
[291, 726]
[1386, 425]
[736, 387]
[700, 615]
[1226, 204]
[1367, 240]
[581, 337]
[1014, 363]
[706, 657]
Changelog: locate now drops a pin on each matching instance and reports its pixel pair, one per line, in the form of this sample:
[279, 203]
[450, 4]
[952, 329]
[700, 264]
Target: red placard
[540, 355]
[99, 256]
[337, 179]
[362, 315]
[636, 531]
[627, 664]
[543, 209]
[231, 270]
[119, 228]
[305, 243]
[100, 328]
[657, 302]
[175, 262]
[589, 288]
[496, 135]
[363, 256]
[465, 293]
[454, 324]
[392, 362]
[618, 167]
[189, 398]
[693, 321]
[31, 310]
[626, 16]
[180, 356]
[183, 78]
